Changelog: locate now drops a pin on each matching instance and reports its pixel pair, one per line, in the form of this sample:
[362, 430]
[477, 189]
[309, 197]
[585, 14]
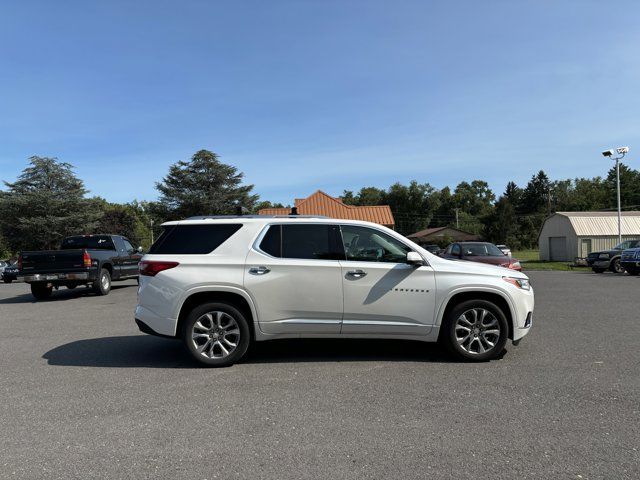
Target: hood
[465, 266]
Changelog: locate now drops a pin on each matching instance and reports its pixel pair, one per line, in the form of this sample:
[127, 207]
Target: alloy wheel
[215, 335]
[477, 331]
[105, 281]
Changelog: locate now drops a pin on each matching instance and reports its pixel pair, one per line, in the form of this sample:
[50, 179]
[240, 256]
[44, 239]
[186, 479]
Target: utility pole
[457, 221]
[152, 231]
[622, 151]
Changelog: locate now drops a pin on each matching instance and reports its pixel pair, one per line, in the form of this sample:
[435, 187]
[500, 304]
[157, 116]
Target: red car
[483, 252]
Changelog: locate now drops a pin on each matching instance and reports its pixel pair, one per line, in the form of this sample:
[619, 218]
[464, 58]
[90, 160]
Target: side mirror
[139, 250]
[415, 259]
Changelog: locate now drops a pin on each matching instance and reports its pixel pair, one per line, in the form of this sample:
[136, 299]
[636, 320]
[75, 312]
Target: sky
[319, 94]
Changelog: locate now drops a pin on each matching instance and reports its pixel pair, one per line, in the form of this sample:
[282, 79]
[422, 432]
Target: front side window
[193, 239]
[127, 245]
[304, 241]
[363, 244]
[455, 250]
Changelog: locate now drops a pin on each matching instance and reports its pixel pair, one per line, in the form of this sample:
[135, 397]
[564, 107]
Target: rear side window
[312, 242]
[90, 242]
[193, 239]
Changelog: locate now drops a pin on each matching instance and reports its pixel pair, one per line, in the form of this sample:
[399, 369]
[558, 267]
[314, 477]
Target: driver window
[364, 244]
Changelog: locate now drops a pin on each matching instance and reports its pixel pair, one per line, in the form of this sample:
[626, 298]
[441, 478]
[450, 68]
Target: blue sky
[335, 95]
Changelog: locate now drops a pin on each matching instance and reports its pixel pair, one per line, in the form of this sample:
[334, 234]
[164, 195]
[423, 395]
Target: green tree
[204, 186]
[126, 219]
[366, 196]
[629, 187]
[45, 204]
[536, 195]
[411, 206]
[473, 198]
[500, 226]
[266, 204]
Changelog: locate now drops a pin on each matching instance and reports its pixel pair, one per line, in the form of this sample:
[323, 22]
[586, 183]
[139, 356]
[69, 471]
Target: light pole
[622, 151]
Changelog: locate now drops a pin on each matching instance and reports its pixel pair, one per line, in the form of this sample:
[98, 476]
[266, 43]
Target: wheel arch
[108, 267]
[494, 296]
[235, 297]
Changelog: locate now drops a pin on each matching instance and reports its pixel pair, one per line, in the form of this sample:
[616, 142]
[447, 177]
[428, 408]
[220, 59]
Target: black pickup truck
[91, 260]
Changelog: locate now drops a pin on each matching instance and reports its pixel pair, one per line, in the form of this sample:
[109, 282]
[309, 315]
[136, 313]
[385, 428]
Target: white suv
[219, 283]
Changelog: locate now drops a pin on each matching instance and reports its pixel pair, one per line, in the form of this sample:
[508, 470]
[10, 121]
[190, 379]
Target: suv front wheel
[475, 330]
[216, 334]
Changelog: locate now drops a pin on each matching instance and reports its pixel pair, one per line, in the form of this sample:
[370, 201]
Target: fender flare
[472, 289]
[221, 288]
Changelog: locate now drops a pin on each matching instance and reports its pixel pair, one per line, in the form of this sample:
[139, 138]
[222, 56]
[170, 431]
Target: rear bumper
[57, 277]
[165, 327]
[144, 328]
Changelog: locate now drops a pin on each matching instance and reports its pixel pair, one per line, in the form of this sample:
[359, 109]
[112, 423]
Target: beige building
[566, 236]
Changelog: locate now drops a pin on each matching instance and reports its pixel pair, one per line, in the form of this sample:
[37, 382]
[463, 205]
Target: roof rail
[218, 217]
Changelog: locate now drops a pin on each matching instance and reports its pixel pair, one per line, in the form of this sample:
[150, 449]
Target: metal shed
[566, 236]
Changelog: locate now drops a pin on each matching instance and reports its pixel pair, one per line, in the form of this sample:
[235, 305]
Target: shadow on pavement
[153, 352]
[58, 296]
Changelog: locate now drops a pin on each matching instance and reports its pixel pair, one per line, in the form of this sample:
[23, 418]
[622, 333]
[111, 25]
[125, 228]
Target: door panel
[130, 259]
[390, 298]
[295, 295]
[382, 293]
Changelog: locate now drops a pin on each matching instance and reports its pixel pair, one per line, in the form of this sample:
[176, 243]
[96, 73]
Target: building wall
[558, 226]
[604, 242]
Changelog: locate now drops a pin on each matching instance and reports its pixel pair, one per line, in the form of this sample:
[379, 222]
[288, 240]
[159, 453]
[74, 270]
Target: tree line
[48, 202]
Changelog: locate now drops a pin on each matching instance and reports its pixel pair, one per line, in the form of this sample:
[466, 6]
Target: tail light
[151, 268]
[20, 262]
[86, 259]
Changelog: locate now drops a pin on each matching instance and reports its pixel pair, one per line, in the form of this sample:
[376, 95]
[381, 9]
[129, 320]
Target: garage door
[558, 249]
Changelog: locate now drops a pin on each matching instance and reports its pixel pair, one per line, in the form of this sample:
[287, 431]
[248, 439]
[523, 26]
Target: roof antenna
[294, 211]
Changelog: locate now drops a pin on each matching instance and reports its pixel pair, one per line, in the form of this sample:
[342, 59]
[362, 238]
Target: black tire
[71, 287]
[598, 270]
[450, 327]
[102, 285]
[220, 339]
[632, 271]
[41, 291]
[615, 266]
[7, 280]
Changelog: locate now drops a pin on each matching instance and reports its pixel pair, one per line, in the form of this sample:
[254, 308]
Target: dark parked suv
[610, 259]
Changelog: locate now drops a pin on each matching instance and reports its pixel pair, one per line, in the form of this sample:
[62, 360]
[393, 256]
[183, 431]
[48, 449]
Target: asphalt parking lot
[85, 395]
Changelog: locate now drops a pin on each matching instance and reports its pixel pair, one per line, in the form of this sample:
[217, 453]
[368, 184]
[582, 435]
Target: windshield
[481, 250]
[627, 244]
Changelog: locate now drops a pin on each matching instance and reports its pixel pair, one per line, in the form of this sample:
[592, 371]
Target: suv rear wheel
[475, 330]
[216, 334]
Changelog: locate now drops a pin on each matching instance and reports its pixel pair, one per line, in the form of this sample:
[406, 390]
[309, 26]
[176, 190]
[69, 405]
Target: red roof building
[320, 203]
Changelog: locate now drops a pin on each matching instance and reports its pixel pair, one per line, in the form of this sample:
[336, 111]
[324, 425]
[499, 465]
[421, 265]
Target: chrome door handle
[357, 273]
[258, 270]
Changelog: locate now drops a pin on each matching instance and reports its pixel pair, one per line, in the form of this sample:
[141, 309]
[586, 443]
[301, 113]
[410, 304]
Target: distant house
[320, 203]
[437, 235]
[566, 236]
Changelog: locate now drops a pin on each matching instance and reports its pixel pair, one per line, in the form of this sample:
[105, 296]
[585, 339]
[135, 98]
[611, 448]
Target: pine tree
[204, 186]
[44, 205]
